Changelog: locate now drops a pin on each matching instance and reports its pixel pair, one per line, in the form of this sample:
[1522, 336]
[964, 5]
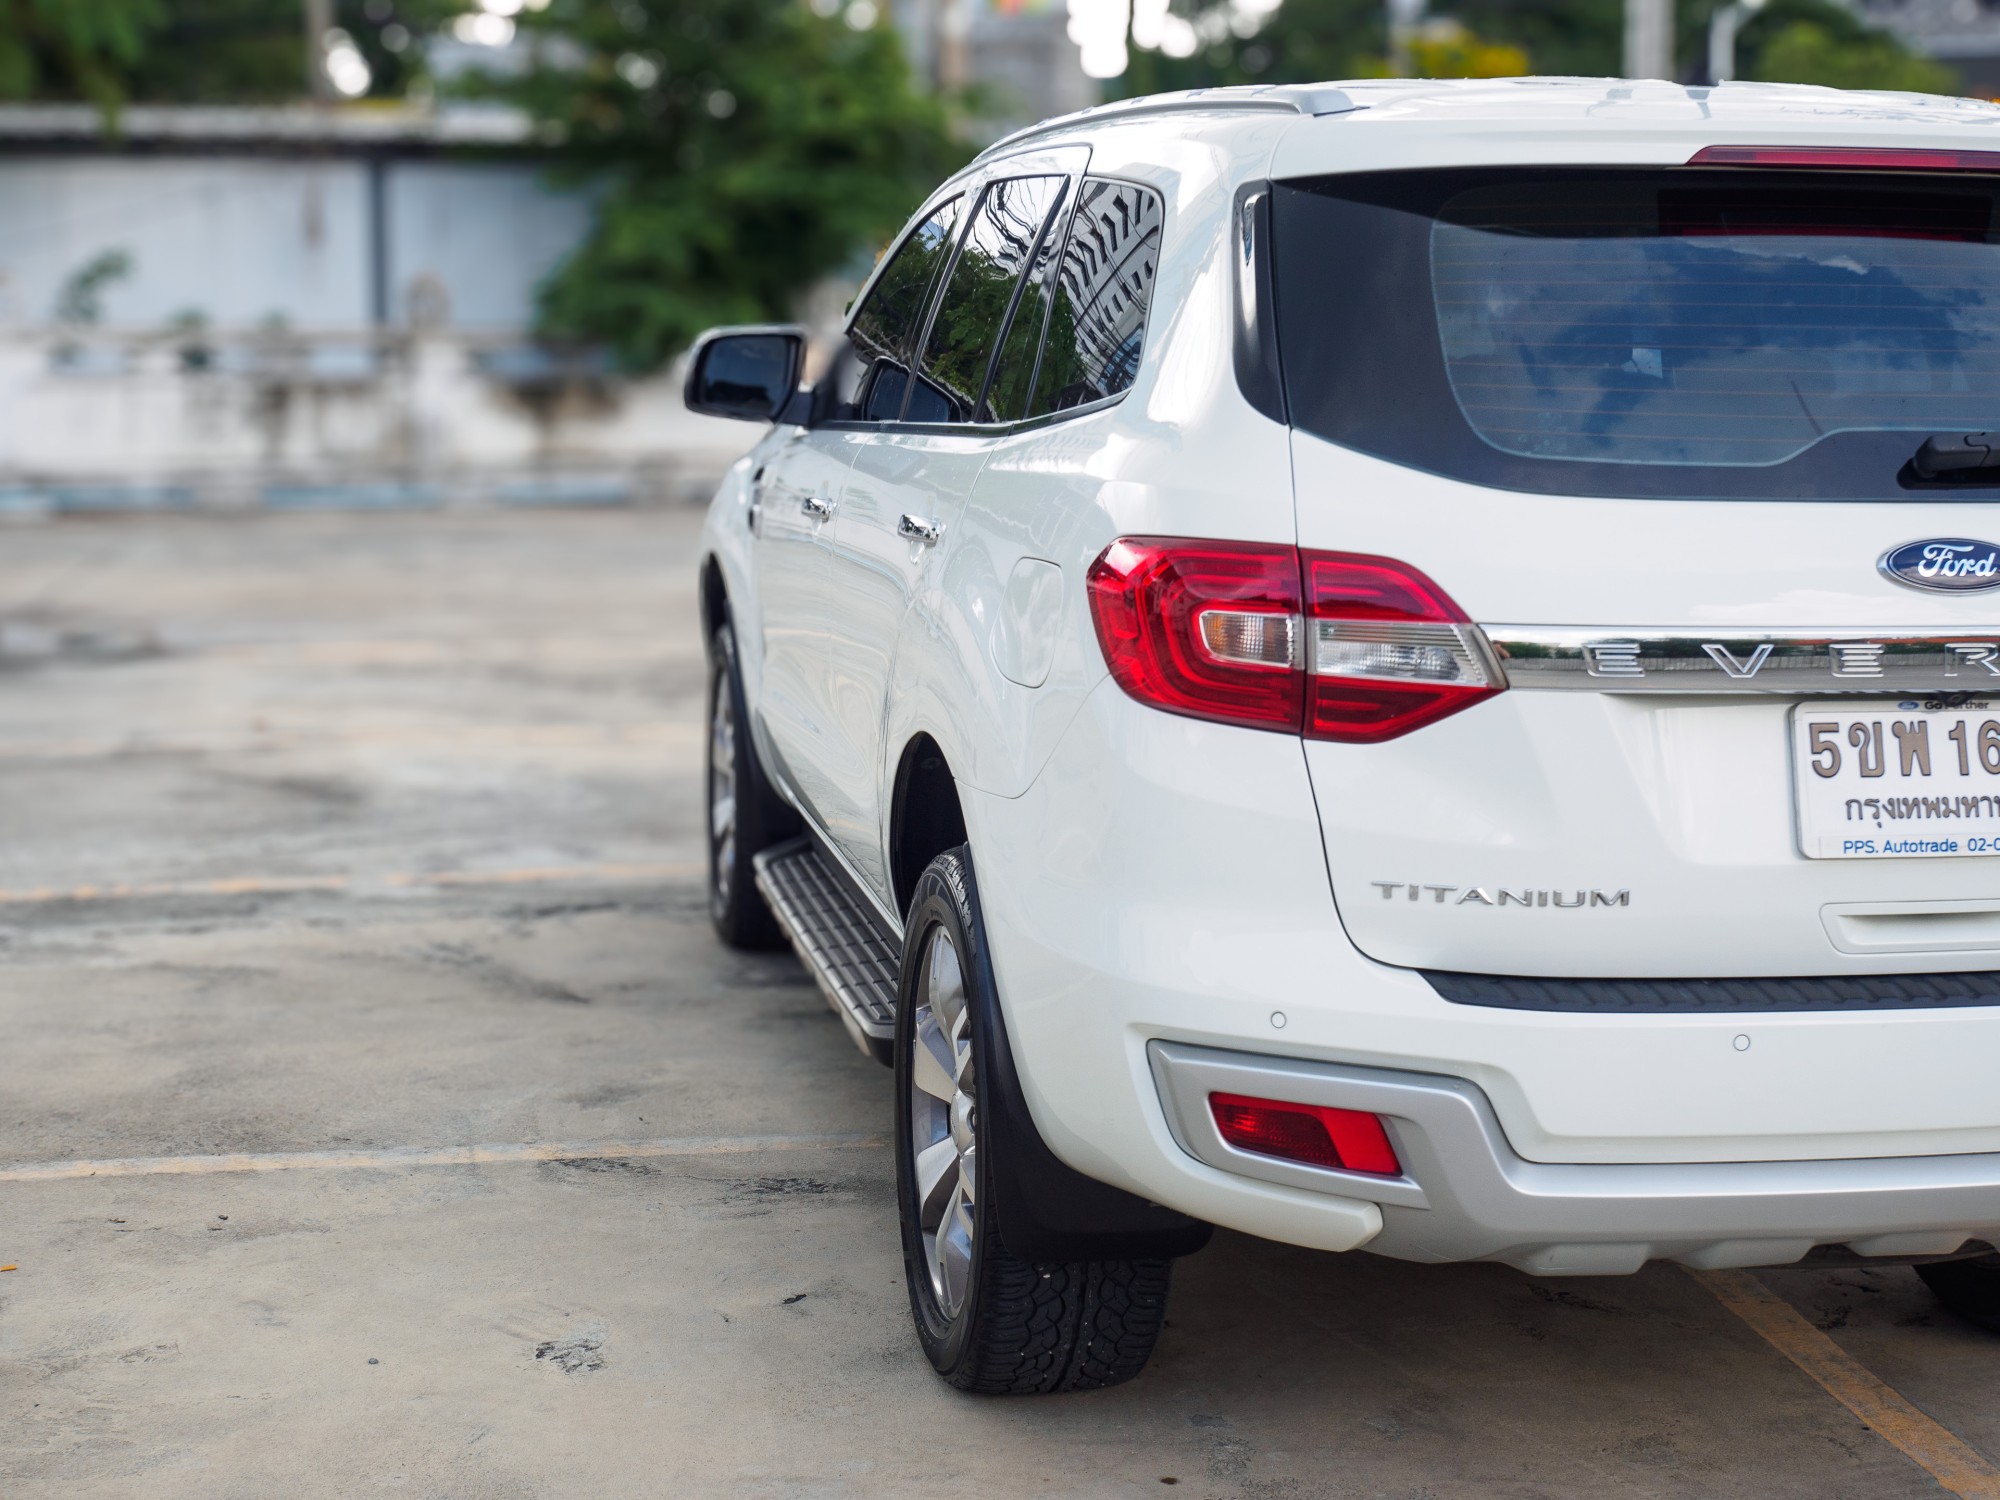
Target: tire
[745, 814]
[1970, 1288]
[989, 1321]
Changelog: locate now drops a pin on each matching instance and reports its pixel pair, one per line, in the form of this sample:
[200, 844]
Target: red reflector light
[1349, 1139]
[1861, 158]
[1332, 645]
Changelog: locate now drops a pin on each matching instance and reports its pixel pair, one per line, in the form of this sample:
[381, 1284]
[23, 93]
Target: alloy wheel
[722, 792]
[943, 1119]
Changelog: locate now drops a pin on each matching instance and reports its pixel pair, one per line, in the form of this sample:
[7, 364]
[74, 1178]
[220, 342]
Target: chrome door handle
[917, 529]
[818, 509]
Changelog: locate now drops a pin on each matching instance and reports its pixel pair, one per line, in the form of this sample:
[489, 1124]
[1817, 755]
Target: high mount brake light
[1348, 1140]
[1333, 645]
[1862, 158]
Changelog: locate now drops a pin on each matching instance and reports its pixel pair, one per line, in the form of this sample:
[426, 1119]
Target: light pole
[1722, 29]
[954, 46]
[319, 21]
[1649, 38]
[1405, 17]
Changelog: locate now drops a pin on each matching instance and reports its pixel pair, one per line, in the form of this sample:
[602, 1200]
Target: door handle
[917, 529]
[818, 509]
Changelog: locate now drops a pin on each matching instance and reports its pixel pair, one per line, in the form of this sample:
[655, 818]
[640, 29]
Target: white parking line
[436, 1156]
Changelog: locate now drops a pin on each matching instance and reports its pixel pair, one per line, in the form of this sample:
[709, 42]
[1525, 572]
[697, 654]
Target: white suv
[1393, 666]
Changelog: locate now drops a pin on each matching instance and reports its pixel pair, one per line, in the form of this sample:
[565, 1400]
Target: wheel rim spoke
[933, 1067]
[722, 786]
[944, 986]
[942, 1119]
[937, 1174]
[954, 1257]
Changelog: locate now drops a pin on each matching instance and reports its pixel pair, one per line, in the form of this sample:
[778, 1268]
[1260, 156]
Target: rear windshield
[1680, 332]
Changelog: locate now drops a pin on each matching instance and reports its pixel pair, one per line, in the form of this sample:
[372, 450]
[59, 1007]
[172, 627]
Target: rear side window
[1014, 364]
[1006, 226]
[1103, 290]
[886, 326]
[1698, 332]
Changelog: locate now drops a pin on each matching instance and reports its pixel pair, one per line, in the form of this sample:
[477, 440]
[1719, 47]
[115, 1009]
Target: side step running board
[839, 939]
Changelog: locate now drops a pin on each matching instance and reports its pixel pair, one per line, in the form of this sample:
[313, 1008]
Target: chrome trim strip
[1679, 660]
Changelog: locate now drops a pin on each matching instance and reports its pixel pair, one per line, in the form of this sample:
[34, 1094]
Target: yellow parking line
[1952, 1462]
[434, 1156]
[278, 885]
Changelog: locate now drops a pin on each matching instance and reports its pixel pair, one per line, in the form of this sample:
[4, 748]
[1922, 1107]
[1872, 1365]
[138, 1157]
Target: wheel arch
[714, 596]
[925, 816]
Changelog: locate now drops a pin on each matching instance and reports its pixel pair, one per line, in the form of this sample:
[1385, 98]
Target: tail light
[1349, 1140]
[1390, 651]
[1333, 645]
[1206, 629]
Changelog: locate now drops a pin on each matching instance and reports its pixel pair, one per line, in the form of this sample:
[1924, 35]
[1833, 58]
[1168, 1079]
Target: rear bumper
[1465, 1194]
[1164, 882]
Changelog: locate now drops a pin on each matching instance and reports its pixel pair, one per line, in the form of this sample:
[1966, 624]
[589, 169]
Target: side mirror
[748, 373]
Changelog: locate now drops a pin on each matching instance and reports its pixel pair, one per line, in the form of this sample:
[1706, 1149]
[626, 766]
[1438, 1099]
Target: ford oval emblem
[1944, 565]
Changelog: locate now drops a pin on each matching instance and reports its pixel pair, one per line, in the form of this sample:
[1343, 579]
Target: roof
[1575, 107]
[1289, 99]
[361, 128]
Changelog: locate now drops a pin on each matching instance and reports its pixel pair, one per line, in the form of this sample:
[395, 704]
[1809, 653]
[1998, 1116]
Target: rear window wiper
[1956, 452]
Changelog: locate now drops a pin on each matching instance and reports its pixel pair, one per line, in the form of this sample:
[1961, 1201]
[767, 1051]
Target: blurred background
[405, 253]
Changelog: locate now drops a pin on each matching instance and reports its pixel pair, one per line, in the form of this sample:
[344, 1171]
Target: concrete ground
[327, 838]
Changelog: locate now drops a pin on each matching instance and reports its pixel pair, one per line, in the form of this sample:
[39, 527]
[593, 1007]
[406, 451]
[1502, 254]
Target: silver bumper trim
[1467, 1196]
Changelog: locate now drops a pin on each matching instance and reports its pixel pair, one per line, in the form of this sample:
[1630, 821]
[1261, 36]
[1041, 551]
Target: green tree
[1305, 41]
[1311, 41]
[254, 51]
[78, 49]
[742, 150]
[1817, 41]
[197, 51]
[224, 52]
[1789, 41]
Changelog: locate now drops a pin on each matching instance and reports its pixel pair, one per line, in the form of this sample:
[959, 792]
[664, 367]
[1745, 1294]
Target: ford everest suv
[1392, 666]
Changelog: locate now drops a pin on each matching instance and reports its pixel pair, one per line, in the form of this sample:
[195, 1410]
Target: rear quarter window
[1102, 295]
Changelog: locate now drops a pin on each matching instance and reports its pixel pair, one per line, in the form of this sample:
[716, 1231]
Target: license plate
[1890, 782]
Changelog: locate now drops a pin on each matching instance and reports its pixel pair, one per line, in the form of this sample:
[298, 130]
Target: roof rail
[1291, 99]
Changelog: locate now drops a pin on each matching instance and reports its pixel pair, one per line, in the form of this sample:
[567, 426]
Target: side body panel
[879, 578]
[807, 472]
[1181, 454]
[728, 540]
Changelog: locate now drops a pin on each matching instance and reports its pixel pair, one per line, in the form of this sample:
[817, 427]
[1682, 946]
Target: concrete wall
[362, 336]
[110, 421]
[246, 240]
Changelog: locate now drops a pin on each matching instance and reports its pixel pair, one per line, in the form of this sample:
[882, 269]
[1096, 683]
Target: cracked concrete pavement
[349, 834]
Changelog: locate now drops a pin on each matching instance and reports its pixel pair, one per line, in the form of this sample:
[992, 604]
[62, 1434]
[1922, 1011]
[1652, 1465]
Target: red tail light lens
[1389, 651]
[1349, 1140]
[1334, 645]
[1207, 629]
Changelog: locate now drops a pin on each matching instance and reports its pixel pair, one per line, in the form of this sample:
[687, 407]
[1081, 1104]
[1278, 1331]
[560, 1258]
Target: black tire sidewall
[738, 911]
[722, 678]
[1969, 1288]
[944, 899]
